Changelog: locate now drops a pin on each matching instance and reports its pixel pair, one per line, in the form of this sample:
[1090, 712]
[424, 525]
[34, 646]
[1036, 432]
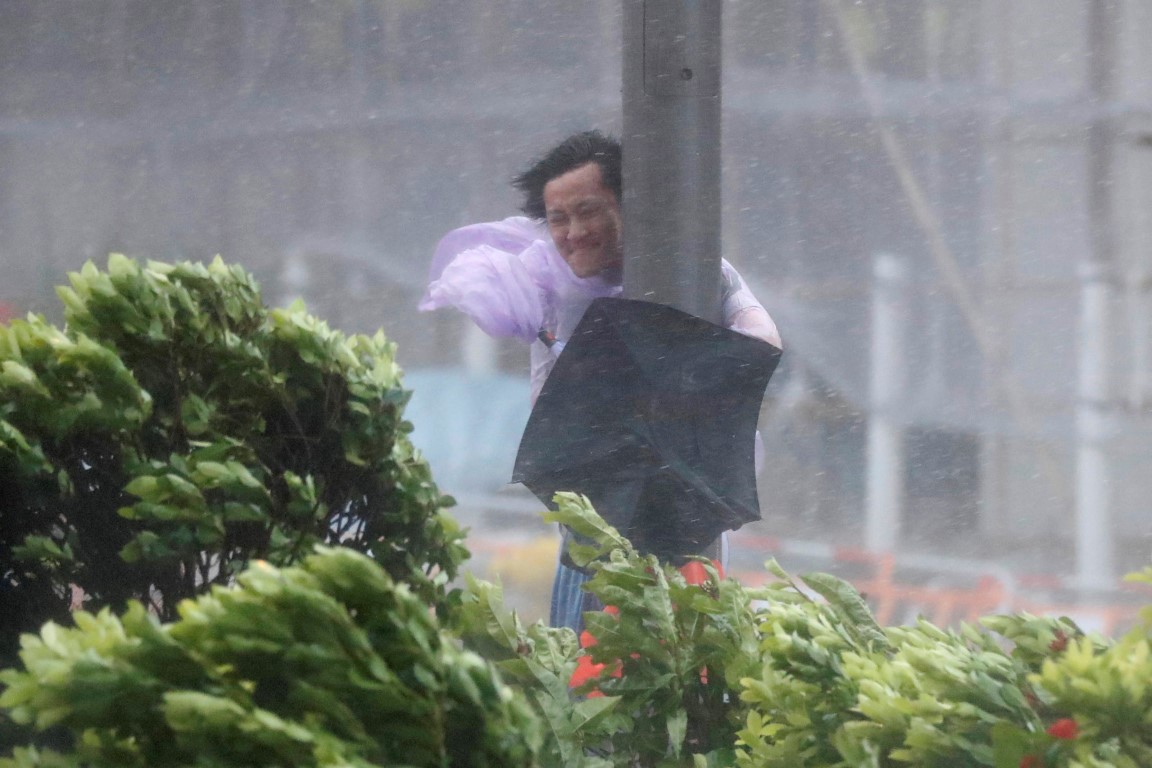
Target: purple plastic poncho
[509, 279]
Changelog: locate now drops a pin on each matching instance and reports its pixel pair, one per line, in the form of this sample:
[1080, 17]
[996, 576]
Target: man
[532, 278]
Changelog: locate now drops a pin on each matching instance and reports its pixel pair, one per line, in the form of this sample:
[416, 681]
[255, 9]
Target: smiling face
[583, 218]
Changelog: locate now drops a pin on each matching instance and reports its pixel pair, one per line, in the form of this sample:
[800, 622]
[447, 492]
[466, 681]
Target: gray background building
[946, 205]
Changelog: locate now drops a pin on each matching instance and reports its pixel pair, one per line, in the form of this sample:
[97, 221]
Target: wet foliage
[174, 430]
[181, 456]
[334, 663]
[330, 663]
[798, 674]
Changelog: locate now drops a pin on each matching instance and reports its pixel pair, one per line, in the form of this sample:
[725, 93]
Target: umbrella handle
[549, 340]
[547, 337]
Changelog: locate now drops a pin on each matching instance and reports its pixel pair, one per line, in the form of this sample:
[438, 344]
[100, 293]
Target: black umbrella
[651, 413]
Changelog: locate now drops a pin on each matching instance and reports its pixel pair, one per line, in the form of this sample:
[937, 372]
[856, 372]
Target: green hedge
[174, 429]
[331, 663]
[798, 674]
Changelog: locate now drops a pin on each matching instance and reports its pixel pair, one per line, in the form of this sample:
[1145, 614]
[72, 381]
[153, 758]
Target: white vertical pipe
[1094, 546]
[885, 488]
[294, 278]
[478, 350]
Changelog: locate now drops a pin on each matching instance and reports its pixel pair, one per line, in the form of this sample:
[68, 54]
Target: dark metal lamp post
[672, 153]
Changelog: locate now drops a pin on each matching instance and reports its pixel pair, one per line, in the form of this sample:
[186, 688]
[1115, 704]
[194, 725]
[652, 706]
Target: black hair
[574, 152]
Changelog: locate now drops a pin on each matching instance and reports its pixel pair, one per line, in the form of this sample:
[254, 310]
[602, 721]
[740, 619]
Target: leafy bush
[174, 430]
[331, 663]
[797, 674]
[673, 658]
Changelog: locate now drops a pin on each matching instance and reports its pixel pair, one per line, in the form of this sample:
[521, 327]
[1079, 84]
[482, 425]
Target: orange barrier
[940, 605]
[900, 589]
[893, 601]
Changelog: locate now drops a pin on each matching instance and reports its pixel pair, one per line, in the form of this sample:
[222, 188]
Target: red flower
[1060, 643]
[1031, 761]
[1064, 728]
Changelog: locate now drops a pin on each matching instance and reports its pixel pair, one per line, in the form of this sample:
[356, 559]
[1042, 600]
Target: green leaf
[42, 547]
[145, 487]
[777, 570]
[576, 512]
[677, 730]
[851, 608]
[18, 376]
[591, 712]
[1010, 744]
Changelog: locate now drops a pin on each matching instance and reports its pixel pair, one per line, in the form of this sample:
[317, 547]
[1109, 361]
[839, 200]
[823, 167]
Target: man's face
[583, 218]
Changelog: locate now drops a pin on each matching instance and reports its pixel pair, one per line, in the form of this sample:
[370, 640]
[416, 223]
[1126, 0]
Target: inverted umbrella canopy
[651, 413]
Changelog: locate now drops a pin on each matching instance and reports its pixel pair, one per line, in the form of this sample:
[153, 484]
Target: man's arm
[756, 322]
[742, 312]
